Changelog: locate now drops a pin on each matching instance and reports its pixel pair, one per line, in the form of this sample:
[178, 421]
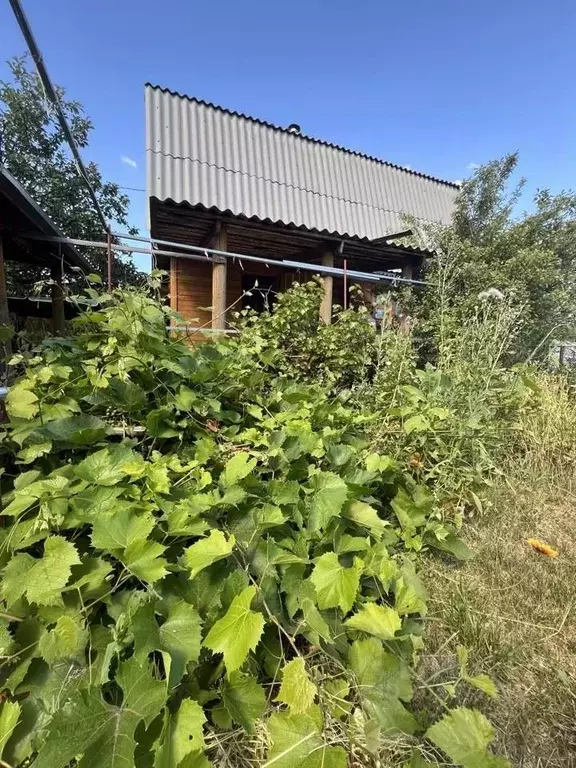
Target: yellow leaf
[542, 548]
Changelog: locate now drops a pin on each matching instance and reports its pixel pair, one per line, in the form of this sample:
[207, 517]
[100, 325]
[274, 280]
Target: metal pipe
[53, 96]
[115, 246]
[345, 284]
[365, 277]
[301, 265]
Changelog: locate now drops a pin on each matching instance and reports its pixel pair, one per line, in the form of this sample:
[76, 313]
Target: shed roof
[202, 154]
[27, 218]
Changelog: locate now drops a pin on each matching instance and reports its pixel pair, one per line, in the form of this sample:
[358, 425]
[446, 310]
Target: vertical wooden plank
[328, 280]
[407, 271]
[58, 319]
[4, 314]
[173, 289]
[219, 283]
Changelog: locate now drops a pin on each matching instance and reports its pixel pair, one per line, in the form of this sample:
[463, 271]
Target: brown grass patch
[515, 611]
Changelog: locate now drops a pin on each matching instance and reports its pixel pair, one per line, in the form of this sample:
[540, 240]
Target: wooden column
[219, 282]
[407, 271]
[4, 314]
[58, 319]
[328, 280]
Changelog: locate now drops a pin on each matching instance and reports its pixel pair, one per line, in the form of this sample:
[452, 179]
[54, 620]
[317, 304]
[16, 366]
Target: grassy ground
[515, 611]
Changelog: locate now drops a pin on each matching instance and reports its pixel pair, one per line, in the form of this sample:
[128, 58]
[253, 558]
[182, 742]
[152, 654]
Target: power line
[53, 97]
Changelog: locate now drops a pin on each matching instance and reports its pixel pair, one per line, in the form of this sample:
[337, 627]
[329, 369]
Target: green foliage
[34, 150]
[450, 422]
[465, 735]
[490, 253]
[203, 546]
[293, 341]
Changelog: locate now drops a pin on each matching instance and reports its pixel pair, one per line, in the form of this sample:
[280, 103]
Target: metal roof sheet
[37, 218]
[206, 155]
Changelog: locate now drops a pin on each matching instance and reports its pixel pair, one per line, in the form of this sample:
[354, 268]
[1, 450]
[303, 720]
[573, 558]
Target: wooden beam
[58, 319]
[4, 313]
[219, 276]
[328, 280]
[211, 235]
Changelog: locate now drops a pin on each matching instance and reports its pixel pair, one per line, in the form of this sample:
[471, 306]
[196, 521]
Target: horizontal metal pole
[365, 277]
[115, 246]
[197, 329]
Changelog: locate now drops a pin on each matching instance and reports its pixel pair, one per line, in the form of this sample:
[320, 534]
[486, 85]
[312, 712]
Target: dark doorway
[262, 290]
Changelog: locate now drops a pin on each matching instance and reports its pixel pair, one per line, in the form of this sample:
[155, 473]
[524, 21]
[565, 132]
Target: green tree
[528, 259]
[34, 150]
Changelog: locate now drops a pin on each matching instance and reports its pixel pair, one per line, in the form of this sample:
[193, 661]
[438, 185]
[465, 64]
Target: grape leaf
[207, 551]
[179, 636]
[483, 683]
[336, 586]
[14, 576]
[297, 690]
[105, 467]
[237, 632]
[297, 743]
[244, 699]
[120, 529]
[412, 511]
[383, 680]
[21, 403]
[143, 559]
[366, 517]
[76, 430]
[48, 575]
[465, 735]
[32, 452]
[237, 468]
[379, 672]
[66, 641]
[409, 591]
[182, 734]
[329, 494]
[9, 716]
[378, 620]
[103, 734]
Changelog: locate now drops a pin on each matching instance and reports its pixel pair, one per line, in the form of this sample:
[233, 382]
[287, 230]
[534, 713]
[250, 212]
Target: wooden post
[219, 282]
[407, 271]
[58, 319]
[4, 314]
[326, 305]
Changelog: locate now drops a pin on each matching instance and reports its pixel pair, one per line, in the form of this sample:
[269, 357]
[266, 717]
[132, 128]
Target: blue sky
[436, 85]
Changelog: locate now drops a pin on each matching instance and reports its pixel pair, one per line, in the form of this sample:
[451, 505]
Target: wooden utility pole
[58, 318]
[219, 275]
[328, 280]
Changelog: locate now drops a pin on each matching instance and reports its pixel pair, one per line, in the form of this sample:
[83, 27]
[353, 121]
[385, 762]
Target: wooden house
[238, 185]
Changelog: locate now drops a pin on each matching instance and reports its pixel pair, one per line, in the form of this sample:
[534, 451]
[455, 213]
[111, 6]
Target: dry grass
[515, 610]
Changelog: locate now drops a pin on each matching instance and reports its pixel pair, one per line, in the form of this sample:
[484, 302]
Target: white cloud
[472, 166]
[128, 161]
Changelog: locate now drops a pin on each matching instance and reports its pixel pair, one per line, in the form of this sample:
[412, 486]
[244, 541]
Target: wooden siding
[191, 286]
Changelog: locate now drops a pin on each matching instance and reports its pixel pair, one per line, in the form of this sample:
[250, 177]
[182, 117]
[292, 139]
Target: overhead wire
[52, 95]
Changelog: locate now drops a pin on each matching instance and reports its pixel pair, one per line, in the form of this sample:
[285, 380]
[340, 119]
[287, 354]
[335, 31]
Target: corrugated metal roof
[203, 154]
[37, 219]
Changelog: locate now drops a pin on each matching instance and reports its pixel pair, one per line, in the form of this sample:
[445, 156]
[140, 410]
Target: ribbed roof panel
[203, 154]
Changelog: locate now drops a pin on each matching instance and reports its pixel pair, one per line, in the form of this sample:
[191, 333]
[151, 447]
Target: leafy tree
[34, 150]
[527, 259]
